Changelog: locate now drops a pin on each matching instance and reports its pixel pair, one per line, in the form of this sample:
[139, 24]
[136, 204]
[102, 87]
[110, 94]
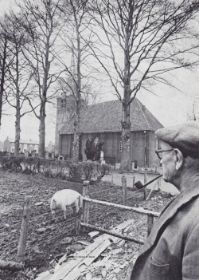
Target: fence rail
[124, 207]
[112, 233]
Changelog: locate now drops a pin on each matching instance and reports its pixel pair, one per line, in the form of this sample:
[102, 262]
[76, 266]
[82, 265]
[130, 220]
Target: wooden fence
[82, 221]
[85, 214]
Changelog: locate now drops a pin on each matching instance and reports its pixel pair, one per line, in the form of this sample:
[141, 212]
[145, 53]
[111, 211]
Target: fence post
[124, 189]
[86, 206]
[149, 223]
[77, 224]
[145, 180]
[159, 184]
[23, 230]
[133, 186]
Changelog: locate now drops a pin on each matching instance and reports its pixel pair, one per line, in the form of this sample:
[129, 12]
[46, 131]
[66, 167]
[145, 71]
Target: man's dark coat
[171, 252]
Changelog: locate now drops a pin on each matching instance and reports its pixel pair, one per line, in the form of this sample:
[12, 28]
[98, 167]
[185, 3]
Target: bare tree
[3, 65]
[74, 78]
[140, 40]
[41, 23]
[19, 75]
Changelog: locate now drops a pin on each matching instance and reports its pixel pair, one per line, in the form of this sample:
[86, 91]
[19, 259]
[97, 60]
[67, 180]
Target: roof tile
[107, 116]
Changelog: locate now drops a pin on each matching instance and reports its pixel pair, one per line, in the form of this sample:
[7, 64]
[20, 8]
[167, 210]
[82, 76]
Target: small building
[104, 120]
[25, 146]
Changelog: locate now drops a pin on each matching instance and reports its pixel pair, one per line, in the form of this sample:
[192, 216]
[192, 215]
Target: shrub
[87, 170]
[65, 169]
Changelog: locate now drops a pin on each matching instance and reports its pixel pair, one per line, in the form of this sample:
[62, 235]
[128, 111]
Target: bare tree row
[48, 46]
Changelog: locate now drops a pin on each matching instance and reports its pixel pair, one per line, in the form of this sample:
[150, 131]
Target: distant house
[104, 120]
[25, 146]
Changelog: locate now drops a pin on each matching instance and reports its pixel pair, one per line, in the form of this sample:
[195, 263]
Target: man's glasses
[158, 152]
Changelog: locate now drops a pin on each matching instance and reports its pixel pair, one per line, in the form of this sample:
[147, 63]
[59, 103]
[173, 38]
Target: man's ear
[179, 159]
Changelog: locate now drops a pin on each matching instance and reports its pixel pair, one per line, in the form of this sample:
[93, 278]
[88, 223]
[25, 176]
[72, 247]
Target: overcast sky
[169, 105]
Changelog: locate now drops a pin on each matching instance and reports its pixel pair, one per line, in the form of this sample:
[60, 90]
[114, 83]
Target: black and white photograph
[99, 139]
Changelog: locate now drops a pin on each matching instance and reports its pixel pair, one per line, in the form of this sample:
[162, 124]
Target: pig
[66, 199]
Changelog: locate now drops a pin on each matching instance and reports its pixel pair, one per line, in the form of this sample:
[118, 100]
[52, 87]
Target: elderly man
[171, 251]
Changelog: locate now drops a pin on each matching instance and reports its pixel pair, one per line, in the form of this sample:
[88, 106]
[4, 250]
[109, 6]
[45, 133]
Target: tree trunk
[17, 132]
[18, 107]
[42, 118]
[126, 135]
[42, 132]
[76, 145]
[126, 123]
[3, 71]
[42, 126]
[76, 139]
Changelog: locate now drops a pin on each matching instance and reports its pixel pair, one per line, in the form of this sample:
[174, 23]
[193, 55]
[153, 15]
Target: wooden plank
[66, 268]
[71, 269]
[76, 272]
[61, 270]
[97, 252]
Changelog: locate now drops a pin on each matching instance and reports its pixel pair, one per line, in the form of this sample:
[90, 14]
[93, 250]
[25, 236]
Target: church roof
[107, 116]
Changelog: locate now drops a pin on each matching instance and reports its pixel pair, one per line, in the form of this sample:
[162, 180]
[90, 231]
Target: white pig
[66, 199]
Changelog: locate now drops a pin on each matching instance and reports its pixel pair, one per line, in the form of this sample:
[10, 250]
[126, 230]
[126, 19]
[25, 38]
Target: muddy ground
[47, 240]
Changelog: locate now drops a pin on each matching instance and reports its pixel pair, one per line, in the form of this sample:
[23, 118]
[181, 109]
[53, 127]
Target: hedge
[65, 169]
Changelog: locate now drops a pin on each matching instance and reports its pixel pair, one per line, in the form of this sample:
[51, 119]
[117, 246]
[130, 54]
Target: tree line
[49, 47]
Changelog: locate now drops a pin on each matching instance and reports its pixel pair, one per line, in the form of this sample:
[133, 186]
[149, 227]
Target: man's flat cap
[185, 137]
